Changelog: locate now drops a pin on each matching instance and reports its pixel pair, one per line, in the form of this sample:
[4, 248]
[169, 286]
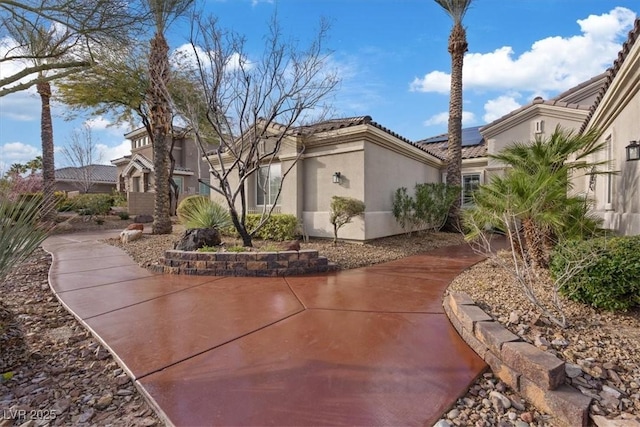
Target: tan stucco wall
[386, 171]
[524, 131]
[319, 165]
[617, 116]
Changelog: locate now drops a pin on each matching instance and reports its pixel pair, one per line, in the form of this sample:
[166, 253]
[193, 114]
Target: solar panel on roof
[470, 136]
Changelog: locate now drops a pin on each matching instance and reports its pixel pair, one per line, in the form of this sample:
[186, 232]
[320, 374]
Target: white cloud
[114, 152]
[552, 64]
[468, 118]
[100, 123]
[187, 55]
[16, 152]
[256, 2]
[498, 107]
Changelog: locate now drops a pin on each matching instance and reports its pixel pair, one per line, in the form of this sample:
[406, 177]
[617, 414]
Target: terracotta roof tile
[613, 70]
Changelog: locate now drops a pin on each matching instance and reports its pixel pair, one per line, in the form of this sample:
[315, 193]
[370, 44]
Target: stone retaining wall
[537, 375]
[251, 264]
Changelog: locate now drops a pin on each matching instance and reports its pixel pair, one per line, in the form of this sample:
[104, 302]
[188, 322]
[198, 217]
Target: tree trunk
[457, 48]
[535, 240]
[241, 229]
[160, 120]
[48, 162]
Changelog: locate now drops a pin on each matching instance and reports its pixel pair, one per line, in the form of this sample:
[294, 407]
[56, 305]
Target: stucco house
[86, 179]
[616, 112]
[353, 157]
[358, 157]
[135, 172]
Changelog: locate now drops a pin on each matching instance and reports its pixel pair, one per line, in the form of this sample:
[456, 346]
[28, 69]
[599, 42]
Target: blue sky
[393, 60]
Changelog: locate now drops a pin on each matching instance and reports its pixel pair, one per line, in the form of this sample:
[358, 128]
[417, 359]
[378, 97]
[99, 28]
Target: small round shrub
[124, 215]
[201, 212]
[610, 278]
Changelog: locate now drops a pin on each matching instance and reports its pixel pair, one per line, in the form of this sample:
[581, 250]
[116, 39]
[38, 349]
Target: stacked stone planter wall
[247, 264]
[537, 375]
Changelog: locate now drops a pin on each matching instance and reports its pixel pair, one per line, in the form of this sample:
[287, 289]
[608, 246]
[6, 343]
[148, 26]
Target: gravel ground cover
[601, 349]
[56, 366]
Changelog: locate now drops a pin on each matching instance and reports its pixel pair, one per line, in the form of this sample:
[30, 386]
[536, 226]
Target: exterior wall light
[337, 177]
[633, 150]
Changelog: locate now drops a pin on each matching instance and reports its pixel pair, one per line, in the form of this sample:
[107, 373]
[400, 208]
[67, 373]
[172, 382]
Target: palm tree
[458, 46]
[534, 192]
[41, 43]
[17, 169]
[163, 13]
[34, 165]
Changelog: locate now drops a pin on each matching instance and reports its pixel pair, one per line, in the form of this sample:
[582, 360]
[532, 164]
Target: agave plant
[21, 231]
[201, 212]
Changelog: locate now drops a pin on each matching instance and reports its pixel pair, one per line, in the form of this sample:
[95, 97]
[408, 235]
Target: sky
[392, 58]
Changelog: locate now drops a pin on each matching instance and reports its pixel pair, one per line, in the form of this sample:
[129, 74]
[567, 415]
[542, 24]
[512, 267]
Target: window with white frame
[268, 183]
[470, 183]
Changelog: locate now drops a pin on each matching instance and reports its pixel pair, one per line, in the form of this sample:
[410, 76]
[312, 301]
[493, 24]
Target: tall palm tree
[458, 46]
[163, 13]
[39, 44]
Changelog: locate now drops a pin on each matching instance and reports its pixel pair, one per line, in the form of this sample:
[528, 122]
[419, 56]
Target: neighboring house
[135, 172]
[86, 179]
[616, 112]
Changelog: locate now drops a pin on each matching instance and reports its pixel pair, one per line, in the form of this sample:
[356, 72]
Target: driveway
[370, 346]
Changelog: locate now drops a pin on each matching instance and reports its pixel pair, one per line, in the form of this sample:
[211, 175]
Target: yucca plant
[21, 231]
[201, 212]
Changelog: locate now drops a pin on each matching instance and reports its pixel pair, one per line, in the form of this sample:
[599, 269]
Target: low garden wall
[247, 264]
[537, 375]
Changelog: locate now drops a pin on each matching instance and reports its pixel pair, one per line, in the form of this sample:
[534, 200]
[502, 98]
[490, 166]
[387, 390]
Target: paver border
[243, 264]
[537, 375]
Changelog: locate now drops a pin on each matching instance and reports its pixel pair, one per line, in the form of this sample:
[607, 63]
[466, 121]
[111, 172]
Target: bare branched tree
[81, 28]
[536, 284]
[254, 109]
[82, 153]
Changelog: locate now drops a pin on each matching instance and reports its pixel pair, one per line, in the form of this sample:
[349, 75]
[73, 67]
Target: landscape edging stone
[546, 390]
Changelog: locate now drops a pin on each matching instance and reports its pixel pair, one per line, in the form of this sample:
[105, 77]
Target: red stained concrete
[367, 347]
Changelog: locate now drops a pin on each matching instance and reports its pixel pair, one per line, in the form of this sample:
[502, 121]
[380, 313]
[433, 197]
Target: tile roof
[439, 149]
[341, 123]
[97, 173]
[634, 34]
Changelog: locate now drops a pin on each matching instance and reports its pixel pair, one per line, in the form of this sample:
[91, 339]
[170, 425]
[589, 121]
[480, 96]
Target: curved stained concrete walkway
[370, 346]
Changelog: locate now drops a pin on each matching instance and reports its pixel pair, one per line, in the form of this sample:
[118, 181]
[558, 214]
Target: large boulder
[135, 226]
[127, 236]
[196, 238]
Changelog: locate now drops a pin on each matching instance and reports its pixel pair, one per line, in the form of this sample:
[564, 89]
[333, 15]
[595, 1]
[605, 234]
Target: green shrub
[403, 209]
[201, 212]
[92, 204]
[433, 201]
[124, 215]
[342, 210]
[236, 249]
[428, 209]
[279, 227]
[610, 277]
